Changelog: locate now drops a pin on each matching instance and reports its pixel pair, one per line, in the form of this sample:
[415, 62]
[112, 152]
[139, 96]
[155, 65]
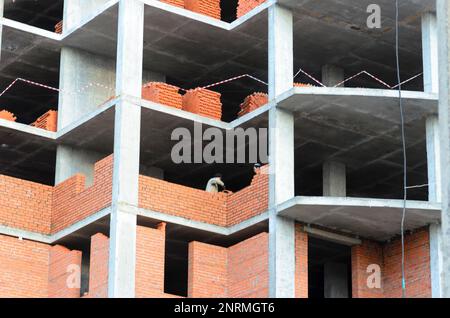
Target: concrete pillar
[430, 53]
[281, 51]
[122, 256]
[86, 81]
[335, 280]
[431, 85]
[2, 6]
[332, 75]
[281, 155]
[334, 179]
[443, 18]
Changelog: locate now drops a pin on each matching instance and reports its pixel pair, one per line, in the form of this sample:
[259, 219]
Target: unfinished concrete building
[93, 205]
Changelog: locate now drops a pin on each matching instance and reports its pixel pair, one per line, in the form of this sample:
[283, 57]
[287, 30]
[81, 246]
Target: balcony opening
[329, 270]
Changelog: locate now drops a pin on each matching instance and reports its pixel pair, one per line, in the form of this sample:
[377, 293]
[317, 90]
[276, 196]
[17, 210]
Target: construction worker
[215, 184]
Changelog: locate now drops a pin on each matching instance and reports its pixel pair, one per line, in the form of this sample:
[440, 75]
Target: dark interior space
[228, 10]
[44, 14]
[176, 267]
[329, 269]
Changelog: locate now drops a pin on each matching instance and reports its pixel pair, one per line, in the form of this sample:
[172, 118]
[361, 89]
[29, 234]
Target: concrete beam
[443, 18]
[430, 53]
[122, 256]
[281, 155]
[334, 179]
[332, 75]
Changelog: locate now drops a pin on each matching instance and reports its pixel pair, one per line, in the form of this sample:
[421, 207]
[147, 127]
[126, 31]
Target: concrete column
[334, 179]
[281, 155]
[281, 51]
[431, 85]
[2, 5]
[122, 256]
[332, 75]
[433, 158]
[430, 53]
[86, 81]
[443, 18]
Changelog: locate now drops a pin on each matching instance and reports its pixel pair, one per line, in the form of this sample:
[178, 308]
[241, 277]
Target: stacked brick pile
[246, 6]
[203, 102]
[253, 102]
[177, 3]
[4, 114]
[48, 121]
[59, 27]
[163, 93]
[207, 7]
[302, 85]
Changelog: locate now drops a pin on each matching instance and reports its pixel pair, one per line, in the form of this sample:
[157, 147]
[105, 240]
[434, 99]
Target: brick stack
[59, 27]
[177, 3]
[6, 115]
[253, 102]
[48, 121]
[203, 102]
[207, 7]
[163, 93]
[246, 6]
[302, 85]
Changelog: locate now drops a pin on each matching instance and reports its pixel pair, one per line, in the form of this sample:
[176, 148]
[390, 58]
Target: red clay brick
[163, 93]
[4, 114]
[48, 121]
[203, 102]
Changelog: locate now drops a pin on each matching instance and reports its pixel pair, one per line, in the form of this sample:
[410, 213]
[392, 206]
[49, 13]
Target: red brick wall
[417, 266]
[207, 274]
[98, 268]
[250, 201]
[177, 3]
[245, 6]
[203, 102]
[214, 208]
[64, 273]
[39, 208]
[24, 268]
[362, 256]
[25, 205]
[207, 7]
[248, 268]
[48, 121]
[162, 196]
[73, 202]
[301, 262]
[388, 256]
[4, 114]
[163, 93]
[150, 259]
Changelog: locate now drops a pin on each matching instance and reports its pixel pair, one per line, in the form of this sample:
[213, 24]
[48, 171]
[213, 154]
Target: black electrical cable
[402, 119]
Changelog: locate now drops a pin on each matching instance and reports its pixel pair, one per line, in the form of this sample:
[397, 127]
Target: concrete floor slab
[368, 218]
